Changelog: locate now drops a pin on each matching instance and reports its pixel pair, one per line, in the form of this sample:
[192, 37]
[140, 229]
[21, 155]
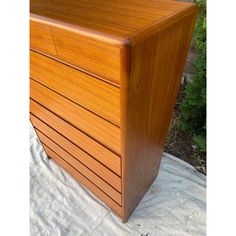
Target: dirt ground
[180, 144]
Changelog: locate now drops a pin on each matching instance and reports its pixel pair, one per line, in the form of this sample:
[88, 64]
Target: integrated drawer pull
[96, 127]
[87, 91]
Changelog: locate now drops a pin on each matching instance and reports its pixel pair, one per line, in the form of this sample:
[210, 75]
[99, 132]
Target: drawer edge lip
[118, 125]
[105, 132]
[112, 163]
[95, 76]
[40, 133]
[72, 126]
[109, 39]
[79, 180]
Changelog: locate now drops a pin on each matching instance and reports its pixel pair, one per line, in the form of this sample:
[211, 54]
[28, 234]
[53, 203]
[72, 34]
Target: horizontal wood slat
[83, 169]
[93, 94]
[87, 183]
[79, 154]
[92, 147]
[96, 127]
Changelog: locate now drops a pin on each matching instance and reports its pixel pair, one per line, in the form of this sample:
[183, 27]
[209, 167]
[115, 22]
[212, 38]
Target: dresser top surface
[114, 18]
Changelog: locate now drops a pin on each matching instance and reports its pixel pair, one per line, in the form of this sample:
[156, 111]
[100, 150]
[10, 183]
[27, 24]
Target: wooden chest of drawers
[104, 79]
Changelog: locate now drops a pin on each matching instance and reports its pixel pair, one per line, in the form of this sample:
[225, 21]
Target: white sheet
[174, 205]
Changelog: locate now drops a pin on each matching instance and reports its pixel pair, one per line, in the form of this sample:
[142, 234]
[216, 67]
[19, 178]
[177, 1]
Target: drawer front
[41, 38]
[86, 182]
[87, 91]
[104, 184]
[83, 157]
[89, 54]
[89, 123]
[69, 136]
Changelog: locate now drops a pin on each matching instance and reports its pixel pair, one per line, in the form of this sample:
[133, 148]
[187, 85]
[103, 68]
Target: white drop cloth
[174, 205]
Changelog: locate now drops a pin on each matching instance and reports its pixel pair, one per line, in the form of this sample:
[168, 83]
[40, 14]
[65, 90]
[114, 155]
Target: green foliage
[193, 107]
[200, 141]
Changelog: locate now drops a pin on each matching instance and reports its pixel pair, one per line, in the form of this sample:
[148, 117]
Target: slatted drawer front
[93, 125]
[89, 92]
[77, 119]
[101, 171]
[81, 155]
[75, 136]
[82, 168]
[87, 53]
[85, 181]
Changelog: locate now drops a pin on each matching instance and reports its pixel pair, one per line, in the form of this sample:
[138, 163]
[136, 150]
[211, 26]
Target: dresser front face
[101, 104]
[75, 106]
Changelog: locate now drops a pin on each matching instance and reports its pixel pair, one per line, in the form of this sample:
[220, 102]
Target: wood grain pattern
[41, 38]
[96, 127]
[83, 169]
[98, 16]
[89, 54]
[88, 161]
[138, 46]
[93, 148]
[146, 121]
[99, 33]
[91, 93]
[83, 180]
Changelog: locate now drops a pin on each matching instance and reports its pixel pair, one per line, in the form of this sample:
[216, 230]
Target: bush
[193, 107]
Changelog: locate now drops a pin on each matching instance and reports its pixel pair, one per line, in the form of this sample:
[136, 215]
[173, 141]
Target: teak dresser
[104, 79]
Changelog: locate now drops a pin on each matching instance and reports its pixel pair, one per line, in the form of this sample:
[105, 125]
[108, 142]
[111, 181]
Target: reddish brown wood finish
[79, 155]
[156, 66]
[89, 92]
[41, 38]
[108, 188]
[74, 136]
[94, 126]
[108, 122]
[86, 182]
[98, 16]
[89, 54]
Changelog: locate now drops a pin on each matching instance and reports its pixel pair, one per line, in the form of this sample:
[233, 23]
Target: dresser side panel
[149, 94]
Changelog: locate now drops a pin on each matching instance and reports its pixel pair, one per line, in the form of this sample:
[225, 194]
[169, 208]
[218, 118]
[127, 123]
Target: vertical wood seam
[54, 42]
